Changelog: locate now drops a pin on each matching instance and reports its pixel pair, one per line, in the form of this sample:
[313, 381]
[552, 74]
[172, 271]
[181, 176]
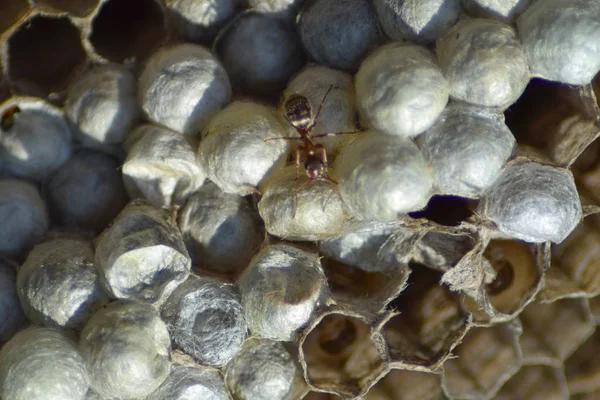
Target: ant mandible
[298, 113]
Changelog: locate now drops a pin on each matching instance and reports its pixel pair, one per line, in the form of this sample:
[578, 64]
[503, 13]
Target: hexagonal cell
[557, 119]
[575, 268]
[519, 270]
[115, 37]
[583, 367]
[76, 8]
[552, 331]
[447, 210]
[486, 359]
[365, 292]
[12, 12]
[426, 322]
[535, 382]
[340, 354]
[53, 43]
[407, 385]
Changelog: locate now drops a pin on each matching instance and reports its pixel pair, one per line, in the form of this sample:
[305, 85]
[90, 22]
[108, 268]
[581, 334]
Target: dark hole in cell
[504, 278]
[128, 30]
[336, 334]
[45, 54]
[447, 210]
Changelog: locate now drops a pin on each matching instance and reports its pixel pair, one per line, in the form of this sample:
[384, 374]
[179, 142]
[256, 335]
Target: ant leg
[284, 138]
[298, 158]
[320, 108]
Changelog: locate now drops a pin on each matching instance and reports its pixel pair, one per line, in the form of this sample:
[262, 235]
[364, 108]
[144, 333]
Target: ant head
[315, 168]
[298, 111]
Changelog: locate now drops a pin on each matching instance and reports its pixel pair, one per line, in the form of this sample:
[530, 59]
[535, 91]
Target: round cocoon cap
[199, 20]
[561, 39]
[141, 256]
[24, 214]
[259, 52]
[278, 8]
[206, 320]
[58, 284]
[161, 167]
[301, 209]
[102, 104]
[87, 191]
[467, 148]
[262, 370]
[484, 62]
[400, 90]
[233, 150]
[381, 176]
[41, 364]
[11, 313]
[338, 33]
[126, 350]
[534, 202]
[182, 87]
[421, 21]
[280, 290]
[35, 138]
[338, 113]
[187, 383]
[221, 231]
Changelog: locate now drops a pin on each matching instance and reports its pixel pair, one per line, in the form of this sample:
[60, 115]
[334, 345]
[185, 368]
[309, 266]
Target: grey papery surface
[11, 313]
[339, 108]
[400, 89]
[534, 202]
[467, 148]
[141, 256]
[205, 318]
[259, 52]
[102, 105]
[313, 211]
[87, 191]
[40, 364]
[126, 350]
[24, 215]
[58, 284]
[338, 33]
[200, 20]
[190, 383]
[421, 21]
[484, 62]
[560, 38]
[262, 370]
[503, 10]
[280, 290]
[182, 87]
[39, 140]
[382, 175]
[233, 150]
[221, 231]
[161, 167]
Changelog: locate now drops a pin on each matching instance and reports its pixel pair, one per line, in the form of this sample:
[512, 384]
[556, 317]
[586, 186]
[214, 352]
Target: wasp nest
[288, 199]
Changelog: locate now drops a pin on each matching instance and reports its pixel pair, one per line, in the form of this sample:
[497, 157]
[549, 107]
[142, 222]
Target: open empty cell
[535, 382]
[447, 210]
[51, 42]
[76, 8]
[429, 322]
[583, 367]
[12, 11]
[401, 384]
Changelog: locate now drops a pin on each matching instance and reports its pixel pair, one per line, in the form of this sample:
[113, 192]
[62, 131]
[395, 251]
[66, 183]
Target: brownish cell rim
[430, 320]
[76, 8]
[128, 30]
[44, 55]
[517, 274]
[12, 11]
[447, 210]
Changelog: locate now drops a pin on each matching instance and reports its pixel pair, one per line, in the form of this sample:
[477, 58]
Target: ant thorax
[298, 111]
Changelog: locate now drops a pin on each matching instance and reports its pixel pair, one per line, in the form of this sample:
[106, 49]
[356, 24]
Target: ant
[298, 113]
[8, 118]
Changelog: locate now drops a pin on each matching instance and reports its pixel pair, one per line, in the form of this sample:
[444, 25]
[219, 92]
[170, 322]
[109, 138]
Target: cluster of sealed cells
[289, 199]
